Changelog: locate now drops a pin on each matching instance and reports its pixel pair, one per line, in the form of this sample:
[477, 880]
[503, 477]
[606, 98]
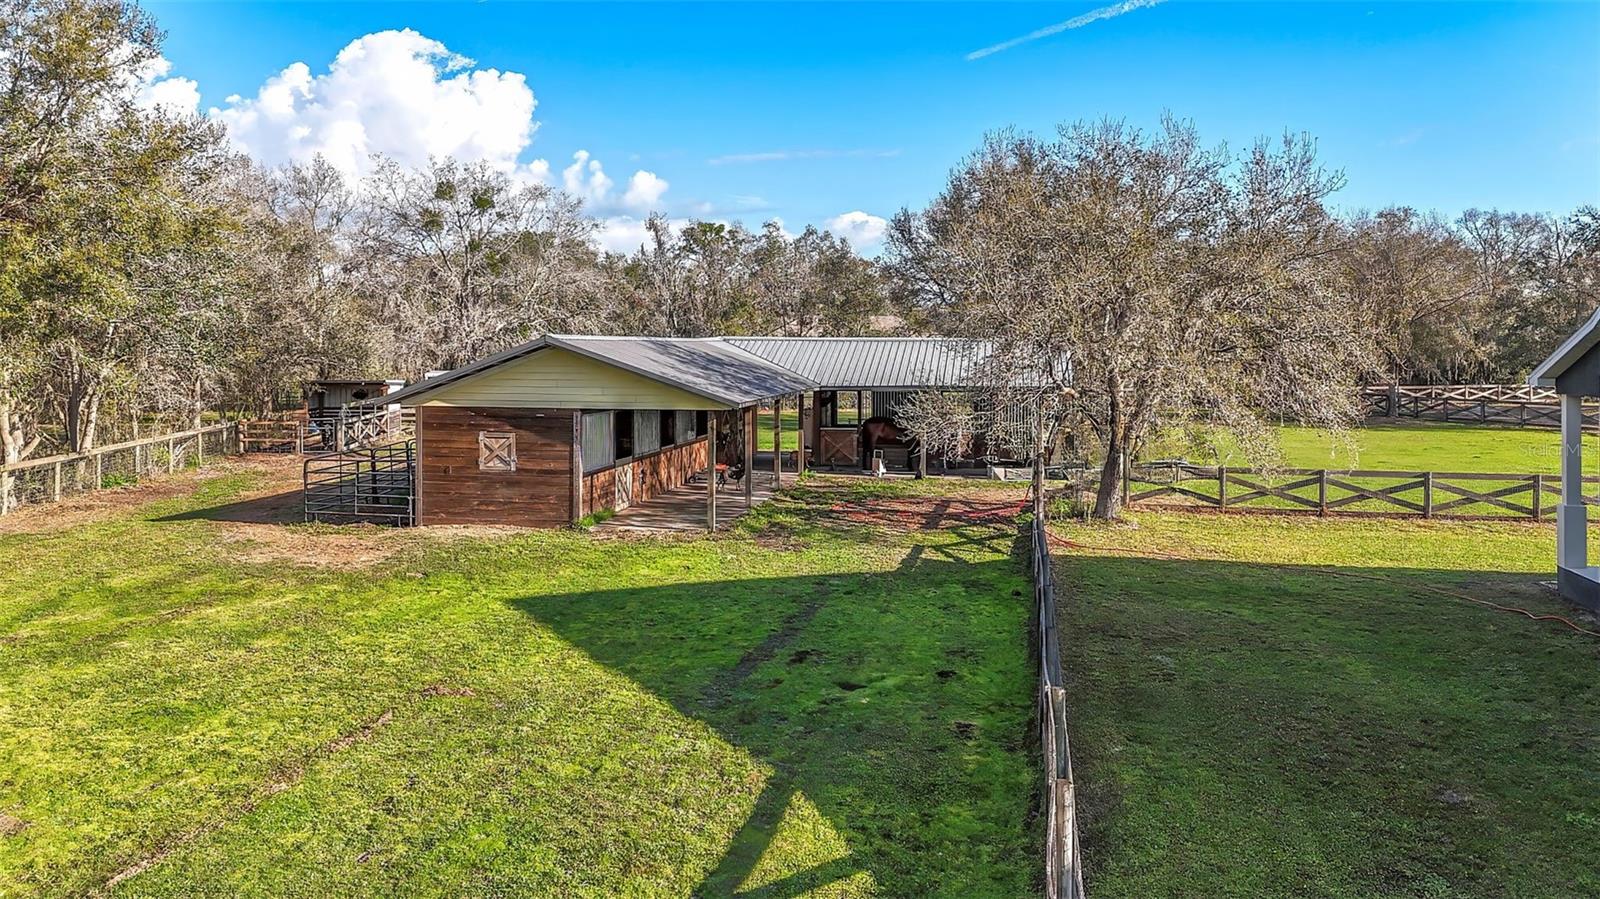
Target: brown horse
[881, 430]
[876, 432]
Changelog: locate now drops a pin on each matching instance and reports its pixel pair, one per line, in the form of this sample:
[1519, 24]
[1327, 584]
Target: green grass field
[791, 430]
[195, 705]
[1275, 706]
[1408, 446]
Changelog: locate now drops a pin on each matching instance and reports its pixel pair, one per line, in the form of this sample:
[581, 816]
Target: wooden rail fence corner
[1063, 860]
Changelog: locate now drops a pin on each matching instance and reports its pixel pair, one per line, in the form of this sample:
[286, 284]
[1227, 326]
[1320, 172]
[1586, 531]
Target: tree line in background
[149, 273]
[1193, 291]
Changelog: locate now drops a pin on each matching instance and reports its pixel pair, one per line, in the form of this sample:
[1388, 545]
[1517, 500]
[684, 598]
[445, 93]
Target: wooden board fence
[50, 478]
[1320, 491]
[1517, 404]
[1063, 861]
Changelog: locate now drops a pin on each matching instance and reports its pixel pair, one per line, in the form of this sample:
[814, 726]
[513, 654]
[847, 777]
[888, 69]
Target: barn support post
[1572, 518]
[777, 442]
[747, 428]
[800, 435]
[577, 466]
[711, 472]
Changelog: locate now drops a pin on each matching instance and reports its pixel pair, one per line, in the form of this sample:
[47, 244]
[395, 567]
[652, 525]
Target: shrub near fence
[1424, 494]
[50, 478]
[1063, 868]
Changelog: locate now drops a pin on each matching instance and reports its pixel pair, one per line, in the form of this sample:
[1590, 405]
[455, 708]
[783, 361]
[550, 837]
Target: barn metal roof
[708, 366]
[738, 371]
[876, 362]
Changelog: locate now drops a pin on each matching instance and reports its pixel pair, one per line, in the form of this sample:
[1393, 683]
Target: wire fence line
[1063, 861]
[52, 478]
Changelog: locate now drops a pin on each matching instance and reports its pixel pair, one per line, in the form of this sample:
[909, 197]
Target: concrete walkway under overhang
[683, 508]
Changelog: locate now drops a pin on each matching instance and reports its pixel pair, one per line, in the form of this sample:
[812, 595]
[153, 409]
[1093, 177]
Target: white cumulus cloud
[392, 92]
[156, 90]
[644, 190]
[626, 233]
[586, 178]
[862, 229]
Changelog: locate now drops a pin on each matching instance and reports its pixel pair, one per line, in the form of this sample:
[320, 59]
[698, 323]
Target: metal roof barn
[877, 362]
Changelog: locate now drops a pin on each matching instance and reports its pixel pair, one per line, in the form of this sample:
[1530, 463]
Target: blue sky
[809, 111]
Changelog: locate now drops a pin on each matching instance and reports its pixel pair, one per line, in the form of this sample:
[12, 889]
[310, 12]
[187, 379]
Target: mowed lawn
[1409, 446]
[1282, 706]
[197, 703]
[1403, 449]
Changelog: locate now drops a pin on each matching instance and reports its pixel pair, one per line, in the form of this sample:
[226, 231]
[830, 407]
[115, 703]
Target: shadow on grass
[897, 703]
[1256, 729]
[279, 508]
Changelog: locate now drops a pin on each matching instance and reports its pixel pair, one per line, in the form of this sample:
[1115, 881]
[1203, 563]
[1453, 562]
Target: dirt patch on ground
[261, 525]
[928, 512]
[361, 546]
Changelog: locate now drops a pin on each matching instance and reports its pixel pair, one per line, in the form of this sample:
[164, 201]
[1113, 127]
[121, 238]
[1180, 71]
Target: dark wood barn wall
[452, 490]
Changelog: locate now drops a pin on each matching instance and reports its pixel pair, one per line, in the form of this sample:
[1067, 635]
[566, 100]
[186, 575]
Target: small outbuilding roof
[876, 362]
[1568, 354]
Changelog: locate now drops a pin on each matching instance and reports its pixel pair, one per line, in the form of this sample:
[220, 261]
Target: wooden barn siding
[652, 475]
[452, 490]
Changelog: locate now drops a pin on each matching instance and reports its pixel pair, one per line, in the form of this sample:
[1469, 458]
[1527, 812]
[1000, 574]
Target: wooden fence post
[1538, 496]
[1427, 494]
[1322, 492]
[138, 464]
[1222, 487]
[1394, 400]
[99, 477]
[200, 448]
[55, 492]
[172, 457]
[1127, 477]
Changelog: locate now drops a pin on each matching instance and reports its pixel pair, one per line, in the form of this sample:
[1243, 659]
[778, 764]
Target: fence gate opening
[368, 484]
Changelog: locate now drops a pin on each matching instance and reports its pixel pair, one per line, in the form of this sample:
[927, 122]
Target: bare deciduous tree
[1180, 284]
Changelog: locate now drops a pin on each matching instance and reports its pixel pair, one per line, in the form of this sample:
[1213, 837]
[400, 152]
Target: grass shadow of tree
[895, 702]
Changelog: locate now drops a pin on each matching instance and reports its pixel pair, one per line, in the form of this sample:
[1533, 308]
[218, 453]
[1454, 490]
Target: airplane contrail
[1094, 15]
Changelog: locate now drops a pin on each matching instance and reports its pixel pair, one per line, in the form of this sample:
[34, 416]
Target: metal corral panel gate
[369, 484]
